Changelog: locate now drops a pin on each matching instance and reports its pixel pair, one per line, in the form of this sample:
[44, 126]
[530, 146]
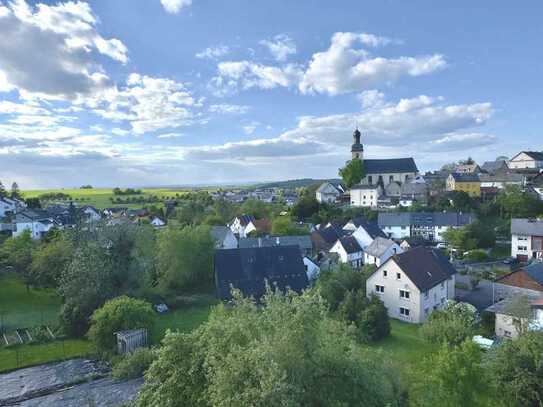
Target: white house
[365, 196]
[380, 251]
[311, 268]
[242, 225]
[90, 213]
[6, 207]
[532, 160]
[224, 238]
[363, 231]
[158, 222]
[527, 239]
[37, 221]
[349, 251]
[327, 193]
[506, 323]
[413, 284]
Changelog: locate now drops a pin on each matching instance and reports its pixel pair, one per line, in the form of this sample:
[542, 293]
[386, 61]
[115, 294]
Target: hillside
[295, 183]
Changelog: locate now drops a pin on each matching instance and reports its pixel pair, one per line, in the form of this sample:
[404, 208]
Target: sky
[182, 92]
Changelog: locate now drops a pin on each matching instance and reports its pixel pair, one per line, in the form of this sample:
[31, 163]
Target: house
[495, 167]
[224, 238]
[429, 226]
[348, 251]
[303, 242]
[527, 239]
[501, 179]
[393, 189]
[7, 207]
[327, 193]
[324, 238]
[37, 221]
[89, 213]
[382, 171]
[250, 270]
[467, 169]
[242, 225]
[468, 183]
[158, 222]
[527, 160]
[312, 269]
[365, 195]
[526, 281]
[411, 242]
[365, 231]
[413, 284]
[380, 250]
[537, 185]
[413, 192]
[507, 323]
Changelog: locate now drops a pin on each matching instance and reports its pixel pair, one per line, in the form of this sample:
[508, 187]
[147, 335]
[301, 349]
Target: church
[383, 171]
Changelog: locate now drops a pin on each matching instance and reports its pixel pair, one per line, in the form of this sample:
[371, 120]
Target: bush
[477, 255]
[373, 322]
[134, 365]
[452, 325]
[118, 314]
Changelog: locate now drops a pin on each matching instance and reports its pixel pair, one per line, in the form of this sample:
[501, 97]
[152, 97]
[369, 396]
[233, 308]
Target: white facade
[524, 161]
[157, 222]
[397, 232]
[37, 228]
[365, 197]
[362, 237]
[355, 259]
[373, 179]
[312, 269]
[402, 298]
[91, 214]
[228, 242]
[327, 193]
[6, 206]
[241, 230]
[389, 252]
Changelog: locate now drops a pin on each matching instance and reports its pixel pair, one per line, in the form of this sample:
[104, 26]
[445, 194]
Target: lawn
[183, 320]
[22, 308]
[100, 197]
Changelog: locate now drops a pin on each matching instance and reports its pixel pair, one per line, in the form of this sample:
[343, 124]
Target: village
[421, 244]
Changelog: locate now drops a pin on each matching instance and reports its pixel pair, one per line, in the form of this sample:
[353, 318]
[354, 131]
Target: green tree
[452, 377]
[118, 314]
[16, 252]
[284, 226]
[258, 209]
[184, 258]
[287, 353]
[456, 322]
[15, 192]
[49, 261]
[459, 238]
[373, 322]
[352, 173]
[517, 371]
[336, 283]
[306, 207]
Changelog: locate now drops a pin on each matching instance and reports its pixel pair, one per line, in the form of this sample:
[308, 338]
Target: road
[480, 298]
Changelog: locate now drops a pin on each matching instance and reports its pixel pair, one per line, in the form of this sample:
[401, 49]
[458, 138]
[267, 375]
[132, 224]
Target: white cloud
[281, 46]
[62, 38]
[7, 107]
[213, 52]
[372, 99]
[461, 141]
[344, 67]
[175, 6]
[250, 128]
[225, 108]
[119, 132]
[170, 135]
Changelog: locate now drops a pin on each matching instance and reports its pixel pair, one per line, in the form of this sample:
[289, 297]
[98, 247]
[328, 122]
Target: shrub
[134, 365]
[477, 255]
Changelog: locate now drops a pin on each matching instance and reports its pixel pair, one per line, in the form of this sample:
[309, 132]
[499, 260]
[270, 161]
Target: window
[522, 238]
[370, 179]
[391, 178]
[404, 311]
[522, 248]
[404, 227]
[384, 273]
[398, 276]
[404, 294]
[379, 288]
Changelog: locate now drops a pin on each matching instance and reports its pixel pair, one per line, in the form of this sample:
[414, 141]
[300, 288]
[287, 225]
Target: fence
[10, 321]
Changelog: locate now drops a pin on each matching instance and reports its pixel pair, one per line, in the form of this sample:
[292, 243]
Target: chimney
[259, 242]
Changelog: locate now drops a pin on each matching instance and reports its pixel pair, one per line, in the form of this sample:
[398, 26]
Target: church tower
[357, 148]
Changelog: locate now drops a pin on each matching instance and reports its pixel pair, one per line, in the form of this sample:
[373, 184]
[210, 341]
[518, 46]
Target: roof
[424, 267]
[350, 244]
[528, 227]
[465, 177]
[244, 219]
[371, 228]
[303, 242]
[219, 233]
[331, 234]
[366, 186]
[424, 218]
[32, 214]
[502, 177]
[326, 185]
[379, 246]
[534, 155]
[392, 165]
[249, 269]
[535, 271]
[492, 166]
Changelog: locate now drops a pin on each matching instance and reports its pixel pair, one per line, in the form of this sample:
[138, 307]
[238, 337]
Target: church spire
[357, 148]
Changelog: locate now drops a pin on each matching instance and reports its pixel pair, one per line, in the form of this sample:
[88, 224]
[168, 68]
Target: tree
[283, 226]
[49, 261]
[462, 201]
[517, 371]
[17, 253]
[15, 192]
[335, 284]
[373, 323]
[33, 203]
[184, 258]
[287, 353]
[452, 325]
[118, 314]
[520, 309]
[306, 206]
[452, 377]
[352, 173]
[459, 238]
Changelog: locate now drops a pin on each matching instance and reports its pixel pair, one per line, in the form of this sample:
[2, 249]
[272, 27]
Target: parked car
[510, 260]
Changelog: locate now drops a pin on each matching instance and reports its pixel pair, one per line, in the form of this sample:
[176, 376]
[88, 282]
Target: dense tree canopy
[452, 325]
[287, 353]
[352, 173]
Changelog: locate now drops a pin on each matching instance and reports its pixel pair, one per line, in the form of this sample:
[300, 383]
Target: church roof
[393, 165]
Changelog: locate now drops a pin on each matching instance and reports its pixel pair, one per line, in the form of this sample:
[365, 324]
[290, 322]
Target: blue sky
[171, 92]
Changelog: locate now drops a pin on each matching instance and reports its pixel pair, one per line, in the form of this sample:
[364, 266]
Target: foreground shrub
[134, 365]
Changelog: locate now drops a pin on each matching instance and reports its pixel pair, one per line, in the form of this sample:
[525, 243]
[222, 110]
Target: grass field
[100, 197]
